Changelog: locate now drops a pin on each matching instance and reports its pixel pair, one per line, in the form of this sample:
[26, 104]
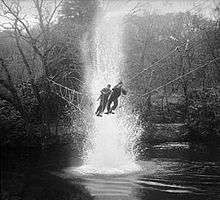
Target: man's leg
[99, 109]
[114, 105]
[104, 104]
[109, 105]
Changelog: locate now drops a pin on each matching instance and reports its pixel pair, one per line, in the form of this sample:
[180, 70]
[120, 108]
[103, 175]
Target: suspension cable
[62, 86]
[179, 77]
[163, 58]
[171, 52]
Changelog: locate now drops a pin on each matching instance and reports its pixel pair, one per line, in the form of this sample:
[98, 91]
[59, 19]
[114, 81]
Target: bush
[203, 116]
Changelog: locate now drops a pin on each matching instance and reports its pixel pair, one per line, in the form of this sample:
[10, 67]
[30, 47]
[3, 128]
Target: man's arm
[104, 91]
[99, 97]
[124, 92]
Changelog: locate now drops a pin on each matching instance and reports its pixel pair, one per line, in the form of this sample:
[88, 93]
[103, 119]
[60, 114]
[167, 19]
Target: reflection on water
[160, 178]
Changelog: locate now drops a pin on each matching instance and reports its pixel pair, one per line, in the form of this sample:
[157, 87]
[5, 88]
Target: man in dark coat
[105, 92]
[116, 93]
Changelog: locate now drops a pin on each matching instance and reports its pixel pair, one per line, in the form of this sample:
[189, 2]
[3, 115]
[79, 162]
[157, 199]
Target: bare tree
[38, 43]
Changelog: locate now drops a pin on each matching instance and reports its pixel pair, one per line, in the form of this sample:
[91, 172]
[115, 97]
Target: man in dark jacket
[116, 93]
[105, 92]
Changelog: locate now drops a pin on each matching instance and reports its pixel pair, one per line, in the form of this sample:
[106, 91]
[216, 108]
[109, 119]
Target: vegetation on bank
[31, 114]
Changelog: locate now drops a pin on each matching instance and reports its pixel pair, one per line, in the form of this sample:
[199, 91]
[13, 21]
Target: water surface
[169, 171]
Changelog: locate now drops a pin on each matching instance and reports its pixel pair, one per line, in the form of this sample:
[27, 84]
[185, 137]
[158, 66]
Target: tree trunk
[36, 92]
[16, 102]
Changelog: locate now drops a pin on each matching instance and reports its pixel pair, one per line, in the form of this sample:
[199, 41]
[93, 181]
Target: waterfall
[110, 137]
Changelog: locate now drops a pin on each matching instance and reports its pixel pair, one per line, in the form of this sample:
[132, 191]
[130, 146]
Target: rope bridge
[75, 98]
[80, 100]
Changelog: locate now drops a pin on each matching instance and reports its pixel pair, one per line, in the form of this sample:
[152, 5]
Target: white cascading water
[109, 153]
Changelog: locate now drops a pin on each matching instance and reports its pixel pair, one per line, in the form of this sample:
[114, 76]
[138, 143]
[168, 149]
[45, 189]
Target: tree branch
[54, 11]
[16, 16]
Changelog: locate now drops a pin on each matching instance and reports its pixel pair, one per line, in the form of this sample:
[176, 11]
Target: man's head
[109, 86]
[120, 83]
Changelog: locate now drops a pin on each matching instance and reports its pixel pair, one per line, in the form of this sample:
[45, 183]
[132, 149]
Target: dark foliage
[81, 12]
[203, 119]
[31, 114]
[192, 100]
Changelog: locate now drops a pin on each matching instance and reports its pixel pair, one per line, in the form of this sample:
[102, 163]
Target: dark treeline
[171, 93]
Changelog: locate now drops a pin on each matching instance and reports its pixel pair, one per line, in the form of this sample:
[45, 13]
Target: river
[167, 171]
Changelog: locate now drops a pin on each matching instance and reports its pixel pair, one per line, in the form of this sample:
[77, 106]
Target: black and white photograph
[110, 99]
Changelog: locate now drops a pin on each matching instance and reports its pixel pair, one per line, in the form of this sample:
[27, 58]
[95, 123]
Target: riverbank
[158, 133]
[42, 186]
[25, 173]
